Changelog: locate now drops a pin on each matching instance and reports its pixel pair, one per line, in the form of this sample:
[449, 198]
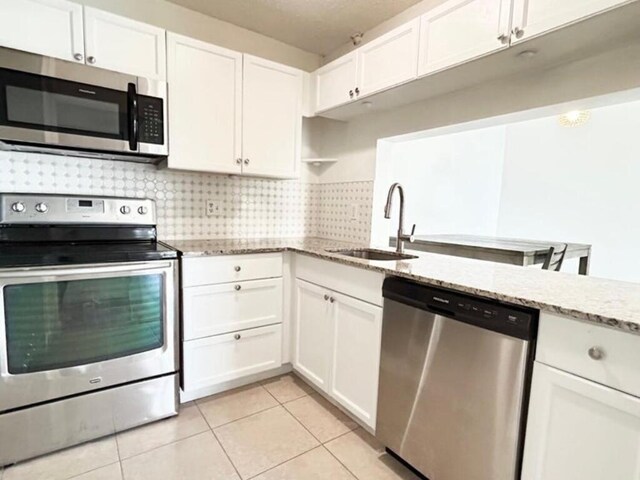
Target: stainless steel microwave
[54, 106]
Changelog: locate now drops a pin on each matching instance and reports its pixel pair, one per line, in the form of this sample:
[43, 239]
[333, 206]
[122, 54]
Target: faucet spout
[401, 236]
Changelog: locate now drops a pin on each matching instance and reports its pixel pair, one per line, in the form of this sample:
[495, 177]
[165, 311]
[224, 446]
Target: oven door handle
[83, 270]
[132, 107]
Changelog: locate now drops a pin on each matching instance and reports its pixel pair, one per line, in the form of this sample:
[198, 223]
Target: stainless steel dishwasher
[454, 379]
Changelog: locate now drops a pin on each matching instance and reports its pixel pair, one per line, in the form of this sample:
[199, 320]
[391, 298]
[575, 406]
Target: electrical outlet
[353, 212]
[211, 208]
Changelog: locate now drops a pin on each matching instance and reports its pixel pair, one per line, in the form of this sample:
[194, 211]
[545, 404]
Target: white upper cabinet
[46, 27]
[356, 356]
[460, 30]
[580, 430]
[388, 60]
[124, 45]
[534, 17]
[271, 118]
[336, 82]
[205, 104]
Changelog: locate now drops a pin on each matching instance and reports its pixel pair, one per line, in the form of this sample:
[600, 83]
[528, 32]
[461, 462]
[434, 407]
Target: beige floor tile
[229, 406]
[194, 458]
[322, 419]
[110, 472]
[366, 459]
[264, 440]
[66, 463]
[318, 464]
[287, 388]
[142, 439]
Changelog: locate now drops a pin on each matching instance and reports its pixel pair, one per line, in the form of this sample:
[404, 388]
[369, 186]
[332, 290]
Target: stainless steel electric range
[88, 321]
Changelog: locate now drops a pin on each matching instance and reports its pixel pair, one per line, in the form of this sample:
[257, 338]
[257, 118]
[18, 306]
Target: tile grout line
[282, 463]
[88, 471]
[339, 461]
[235, 469]
[115, 435]
[163, 445]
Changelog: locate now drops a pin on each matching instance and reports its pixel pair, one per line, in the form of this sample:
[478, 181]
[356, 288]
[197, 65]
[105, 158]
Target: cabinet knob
[237, 336]
[331, 299]
[596, 353]
[78, 57]
[517, 32]
[237, 268]
[239, 161]
[326, 297]
[504, 39]
[238, 287]
[91, 60]
[246, 161]
[357, 91]
[350, 93]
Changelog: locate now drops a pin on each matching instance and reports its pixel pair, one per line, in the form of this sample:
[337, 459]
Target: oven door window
[49, 104]
[63, 324]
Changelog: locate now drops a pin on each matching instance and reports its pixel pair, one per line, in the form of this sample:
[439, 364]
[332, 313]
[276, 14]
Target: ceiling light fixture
[574, 118]
[527, 54]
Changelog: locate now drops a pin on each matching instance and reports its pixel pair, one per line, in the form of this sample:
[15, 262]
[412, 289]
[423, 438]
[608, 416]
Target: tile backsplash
[246, 207]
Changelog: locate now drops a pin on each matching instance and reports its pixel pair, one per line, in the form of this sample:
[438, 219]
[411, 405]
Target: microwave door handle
[132, 100]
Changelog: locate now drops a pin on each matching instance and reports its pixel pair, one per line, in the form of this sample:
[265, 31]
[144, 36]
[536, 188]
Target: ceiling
[317, 26]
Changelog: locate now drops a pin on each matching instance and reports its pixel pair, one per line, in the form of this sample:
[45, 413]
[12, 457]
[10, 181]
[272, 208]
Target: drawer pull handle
[238, 287]
[326, 297]
[237, 336]
[237, 268]
[331, 299]
[596, 353]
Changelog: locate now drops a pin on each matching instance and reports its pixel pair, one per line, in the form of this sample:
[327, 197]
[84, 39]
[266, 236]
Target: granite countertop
[609, 302]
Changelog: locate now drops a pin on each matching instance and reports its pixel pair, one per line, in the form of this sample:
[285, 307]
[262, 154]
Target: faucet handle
[413, 231]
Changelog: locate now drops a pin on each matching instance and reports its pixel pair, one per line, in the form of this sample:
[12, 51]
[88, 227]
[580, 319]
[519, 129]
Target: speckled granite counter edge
[627, 326]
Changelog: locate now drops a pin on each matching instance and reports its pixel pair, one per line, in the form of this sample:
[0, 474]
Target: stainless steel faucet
[401, 237]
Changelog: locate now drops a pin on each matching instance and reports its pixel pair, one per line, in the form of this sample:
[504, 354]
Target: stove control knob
[142, 210]
[41, 207]
[18, 207]
[125, 210]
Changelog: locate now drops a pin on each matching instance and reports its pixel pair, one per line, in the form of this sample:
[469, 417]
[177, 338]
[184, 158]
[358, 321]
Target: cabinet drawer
[564, 343]
[215, 309]
[213, 360]
[230, 268]
[353, 281]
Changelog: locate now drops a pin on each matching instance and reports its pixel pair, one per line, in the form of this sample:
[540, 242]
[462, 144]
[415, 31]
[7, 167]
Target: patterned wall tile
[247, 207]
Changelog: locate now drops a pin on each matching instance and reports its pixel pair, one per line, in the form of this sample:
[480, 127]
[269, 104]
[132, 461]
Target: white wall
[533, 179]
[577, 185]
[452, 182]
[193, 24]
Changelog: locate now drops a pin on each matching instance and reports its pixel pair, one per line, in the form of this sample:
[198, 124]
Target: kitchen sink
[371, 254]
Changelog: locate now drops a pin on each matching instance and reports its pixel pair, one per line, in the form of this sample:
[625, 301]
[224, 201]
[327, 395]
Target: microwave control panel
[151, 120]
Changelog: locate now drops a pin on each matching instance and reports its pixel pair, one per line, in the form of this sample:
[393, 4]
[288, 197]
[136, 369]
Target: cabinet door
[47, 27]
[215, 309]
[356, 356]
[271, 118]
[534, 17]
[580, 430]
[313, 334]
[205, 104]
[389, 60]
[336, 82]
[460, 30]
[124, 45]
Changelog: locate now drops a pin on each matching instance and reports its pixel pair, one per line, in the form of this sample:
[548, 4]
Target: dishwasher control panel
[513, 320]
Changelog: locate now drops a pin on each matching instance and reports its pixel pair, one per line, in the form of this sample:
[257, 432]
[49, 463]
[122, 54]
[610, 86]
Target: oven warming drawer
[59, 424]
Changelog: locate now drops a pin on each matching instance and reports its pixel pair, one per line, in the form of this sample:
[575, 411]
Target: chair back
[555, 257]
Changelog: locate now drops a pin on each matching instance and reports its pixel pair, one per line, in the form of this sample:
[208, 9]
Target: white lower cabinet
[356, 356]
[213, 360]
[314, 331]
[337, 346]
[580, 430]
[232, 321]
